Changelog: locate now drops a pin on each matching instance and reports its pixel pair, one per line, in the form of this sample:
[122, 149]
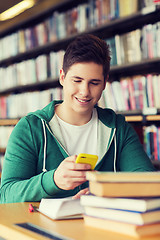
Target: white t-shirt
[80, 139]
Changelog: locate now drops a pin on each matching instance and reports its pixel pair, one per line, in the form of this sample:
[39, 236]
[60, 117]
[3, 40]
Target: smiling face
[82, 86]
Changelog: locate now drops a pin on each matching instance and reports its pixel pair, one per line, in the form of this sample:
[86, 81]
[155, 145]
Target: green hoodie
[35, 150]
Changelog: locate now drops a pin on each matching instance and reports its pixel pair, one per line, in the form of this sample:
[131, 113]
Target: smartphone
[87, 158]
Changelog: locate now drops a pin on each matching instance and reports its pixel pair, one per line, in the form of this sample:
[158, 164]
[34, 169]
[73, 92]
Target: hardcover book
[124, 184]
[124, 228]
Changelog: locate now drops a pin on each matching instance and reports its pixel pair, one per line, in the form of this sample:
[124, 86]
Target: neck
[72, 117]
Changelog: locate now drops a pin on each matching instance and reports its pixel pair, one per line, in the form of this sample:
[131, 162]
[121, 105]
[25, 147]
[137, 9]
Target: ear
[105, 81]
[62, 77]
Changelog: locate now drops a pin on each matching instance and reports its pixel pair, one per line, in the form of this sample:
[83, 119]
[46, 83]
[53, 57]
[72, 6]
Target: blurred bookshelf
[73, 18]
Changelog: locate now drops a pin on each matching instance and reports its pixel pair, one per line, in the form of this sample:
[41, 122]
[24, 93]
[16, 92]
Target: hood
[47, 112]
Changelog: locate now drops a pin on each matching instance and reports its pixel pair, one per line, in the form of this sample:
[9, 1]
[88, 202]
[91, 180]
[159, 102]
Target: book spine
[152, 141]
[18, 105]
[137, 92]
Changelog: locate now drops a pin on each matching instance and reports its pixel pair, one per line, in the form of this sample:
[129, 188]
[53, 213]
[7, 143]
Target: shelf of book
[43, 9]
[39, 50]
[38, 86]
[146, 66]
[105, 31]
[143, 67]
[116, 25]
[37, 14]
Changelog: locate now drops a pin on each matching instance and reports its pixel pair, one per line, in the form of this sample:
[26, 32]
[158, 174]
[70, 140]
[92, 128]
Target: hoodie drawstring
[45, 143]
[115, 150]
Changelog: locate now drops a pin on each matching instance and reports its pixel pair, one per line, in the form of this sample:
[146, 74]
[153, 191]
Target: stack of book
[124, 203]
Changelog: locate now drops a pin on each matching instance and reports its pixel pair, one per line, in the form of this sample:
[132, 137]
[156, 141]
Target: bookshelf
[110, 28]
[139, 116]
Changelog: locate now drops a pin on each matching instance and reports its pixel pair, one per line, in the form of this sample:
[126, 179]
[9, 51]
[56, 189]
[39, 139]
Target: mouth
[82, 100]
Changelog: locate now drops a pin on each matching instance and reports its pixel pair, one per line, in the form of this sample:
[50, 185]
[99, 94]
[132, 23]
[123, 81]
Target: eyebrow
[92, 79]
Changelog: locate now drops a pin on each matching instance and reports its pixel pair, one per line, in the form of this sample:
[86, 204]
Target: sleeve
[132, 156]
[21, 179]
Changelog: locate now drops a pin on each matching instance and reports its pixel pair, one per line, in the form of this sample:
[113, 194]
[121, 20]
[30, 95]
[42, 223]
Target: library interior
[34, 36]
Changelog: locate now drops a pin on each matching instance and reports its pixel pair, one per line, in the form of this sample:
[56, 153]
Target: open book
[61, 208]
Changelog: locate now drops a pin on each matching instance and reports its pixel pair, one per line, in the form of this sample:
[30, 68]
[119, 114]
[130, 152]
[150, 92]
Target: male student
[41, 152]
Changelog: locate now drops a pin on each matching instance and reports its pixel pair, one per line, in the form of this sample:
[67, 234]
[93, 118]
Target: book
[124, 184]
[61, 208]
[156, 86]
[133, 217]
[127, 7]
[158, 142]
[5, 132]
[132, 204]
[124, 176]
[150, 90]
[109, 99]
[151, 142]
[118, 95]
[131, 94]
[125, 91]
[112, 43]
[125, 189]
[124, 228]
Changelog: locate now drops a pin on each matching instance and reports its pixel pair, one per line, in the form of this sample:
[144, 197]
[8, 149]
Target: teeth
[82, 100]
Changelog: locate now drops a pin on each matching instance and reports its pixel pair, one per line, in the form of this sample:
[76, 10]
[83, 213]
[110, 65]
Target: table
[13, 213]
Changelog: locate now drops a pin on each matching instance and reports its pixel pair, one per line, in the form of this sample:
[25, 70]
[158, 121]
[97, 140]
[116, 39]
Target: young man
[41, 152]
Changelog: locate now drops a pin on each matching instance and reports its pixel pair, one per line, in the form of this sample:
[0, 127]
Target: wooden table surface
[13, 213]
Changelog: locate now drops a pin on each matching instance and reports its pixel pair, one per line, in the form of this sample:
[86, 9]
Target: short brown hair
[87, 48]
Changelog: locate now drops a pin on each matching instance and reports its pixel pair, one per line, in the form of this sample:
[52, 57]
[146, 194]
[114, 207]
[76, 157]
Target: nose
[84, 89]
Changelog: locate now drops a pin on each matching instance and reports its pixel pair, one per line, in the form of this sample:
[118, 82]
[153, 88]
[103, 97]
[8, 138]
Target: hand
[70, 174]
[82, 192]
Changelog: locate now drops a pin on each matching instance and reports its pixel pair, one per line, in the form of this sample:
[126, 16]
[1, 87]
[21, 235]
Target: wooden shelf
[140, 118]
[143, 67]
[156, 163]
[38, 86]
[8, 122]
[2, 150]
[134, 118]
[153, 118]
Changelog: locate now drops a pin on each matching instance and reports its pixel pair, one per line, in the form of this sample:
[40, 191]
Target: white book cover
[61, 208]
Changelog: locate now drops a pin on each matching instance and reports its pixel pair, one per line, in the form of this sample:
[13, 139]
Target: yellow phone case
[87, 158]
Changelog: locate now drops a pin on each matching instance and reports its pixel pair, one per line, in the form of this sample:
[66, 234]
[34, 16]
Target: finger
[76, 166]
[71, 185]
[75, 174]
[71, 158]
[81, 166]
[82, 192]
